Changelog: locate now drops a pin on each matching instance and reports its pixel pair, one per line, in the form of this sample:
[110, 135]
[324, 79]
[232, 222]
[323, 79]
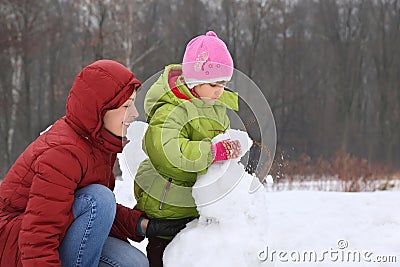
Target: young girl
[56, 202]
[185, 109]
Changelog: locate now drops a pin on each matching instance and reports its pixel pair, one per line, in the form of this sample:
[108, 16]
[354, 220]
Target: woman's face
[210, 92]
[117, 120]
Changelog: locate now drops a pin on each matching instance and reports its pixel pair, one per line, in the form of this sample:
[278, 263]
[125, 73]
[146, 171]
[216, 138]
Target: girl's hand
[226, 149]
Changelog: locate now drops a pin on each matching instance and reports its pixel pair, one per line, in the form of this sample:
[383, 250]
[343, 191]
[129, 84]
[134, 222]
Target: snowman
[232, 227]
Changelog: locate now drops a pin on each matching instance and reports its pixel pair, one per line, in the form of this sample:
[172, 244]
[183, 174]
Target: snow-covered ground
[265, 228]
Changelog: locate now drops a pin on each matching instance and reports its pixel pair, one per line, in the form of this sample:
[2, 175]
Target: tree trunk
[16, 82]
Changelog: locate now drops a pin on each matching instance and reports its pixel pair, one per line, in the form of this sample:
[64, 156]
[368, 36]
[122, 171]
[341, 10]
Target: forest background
[330, 70]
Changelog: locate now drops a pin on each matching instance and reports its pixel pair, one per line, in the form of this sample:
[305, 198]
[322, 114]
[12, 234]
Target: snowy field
[266, 228]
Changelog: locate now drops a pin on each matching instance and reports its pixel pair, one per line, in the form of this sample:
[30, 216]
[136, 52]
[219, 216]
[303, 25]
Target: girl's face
[210, 92]
[117, 120]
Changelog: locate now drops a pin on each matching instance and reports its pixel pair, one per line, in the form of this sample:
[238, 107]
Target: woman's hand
[163, 227]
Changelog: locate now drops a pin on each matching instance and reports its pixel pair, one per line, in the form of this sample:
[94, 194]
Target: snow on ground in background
[295, 223]
[332, 183]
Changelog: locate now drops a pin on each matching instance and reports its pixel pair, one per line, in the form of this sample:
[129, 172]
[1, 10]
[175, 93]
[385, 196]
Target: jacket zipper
[167, 186]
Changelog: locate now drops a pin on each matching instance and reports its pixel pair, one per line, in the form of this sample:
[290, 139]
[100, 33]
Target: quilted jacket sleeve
[168, 130]
[48, 212]
[126, 219]
[125, 224]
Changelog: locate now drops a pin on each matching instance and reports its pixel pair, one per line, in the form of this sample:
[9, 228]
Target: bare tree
[330, 69]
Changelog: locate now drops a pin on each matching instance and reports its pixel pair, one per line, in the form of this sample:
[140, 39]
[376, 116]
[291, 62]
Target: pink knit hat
[206, 60]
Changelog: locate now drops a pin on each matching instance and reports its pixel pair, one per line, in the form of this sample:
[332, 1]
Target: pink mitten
[226, 149]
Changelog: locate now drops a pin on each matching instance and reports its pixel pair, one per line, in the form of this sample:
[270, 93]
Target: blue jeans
[86, 243]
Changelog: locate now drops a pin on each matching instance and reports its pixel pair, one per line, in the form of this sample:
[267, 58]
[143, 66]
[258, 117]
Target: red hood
[173, 76]
[99, 87]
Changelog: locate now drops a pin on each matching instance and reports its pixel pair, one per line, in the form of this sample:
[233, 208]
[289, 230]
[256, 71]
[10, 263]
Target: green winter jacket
[178, 145]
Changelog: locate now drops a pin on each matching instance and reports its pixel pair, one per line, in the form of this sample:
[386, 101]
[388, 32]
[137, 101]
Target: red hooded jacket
[37, 193]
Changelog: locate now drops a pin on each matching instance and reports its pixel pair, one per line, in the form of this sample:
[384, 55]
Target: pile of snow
[236, 228]
[229, 215]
